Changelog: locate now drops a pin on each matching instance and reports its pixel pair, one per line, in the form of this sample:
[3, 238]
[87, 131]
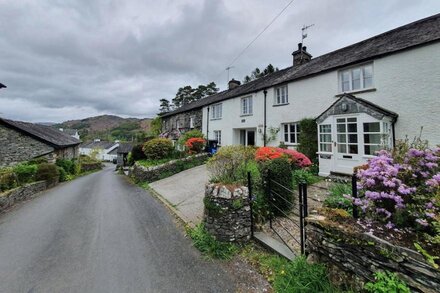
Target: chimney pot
[305, 49]
[299, 46]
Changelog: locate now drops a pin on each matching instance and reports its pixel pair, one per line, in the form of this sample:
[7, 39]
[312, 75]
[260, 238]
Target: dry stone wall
[10, 197]
[354, 257]
[227, 214]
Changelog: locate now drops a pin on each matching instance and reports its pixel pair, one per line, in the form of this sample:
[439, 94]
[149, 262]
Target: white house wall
[407, 83]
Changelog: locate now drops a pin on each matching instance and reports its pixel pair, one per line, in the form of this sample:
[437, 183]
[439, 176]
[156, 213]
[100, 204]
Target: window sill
[373, 89]
[278, 105]
[324, 153]
[212, 119]
[245, 115]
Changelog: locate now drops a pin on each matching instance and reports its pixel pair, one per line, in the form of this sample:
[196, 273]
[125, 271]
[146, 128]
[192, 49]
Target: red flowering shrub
[195, 145]
[297, 158]
[294, 157]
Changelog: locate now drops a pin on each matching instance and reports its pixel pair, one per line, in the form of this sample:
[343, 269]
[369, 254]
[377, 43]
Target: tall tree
[188, 94]
[257, 73]
[164, 106]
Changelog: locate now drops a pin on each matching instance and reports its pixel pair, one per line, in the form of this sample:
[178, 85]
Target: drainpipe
[394, 132]
[264, 124]
[207, 125]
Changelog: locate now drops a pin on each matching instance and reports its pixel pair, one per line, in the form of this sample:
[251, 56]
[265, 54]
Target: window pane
[372, 138]
[325, 137]
[297, 128]
[372, 127]
[352, 138]
[353, 148]
[342, 138]
[250, 105]
[286, 137]
[325, 147]
[342, 148]
[286, 128]
[371, 149]
[368, 76]
[368, 82]
[341, 128]
[339, 120]
[292, 127]
[356, 75]
[352, 127]
[325, 128]
[353, 119]
[292, 137]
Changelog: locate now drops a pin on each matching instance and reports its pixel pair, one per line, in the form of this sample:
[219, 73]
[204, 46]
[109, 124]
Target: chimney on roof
[232, 84]
[301, 55]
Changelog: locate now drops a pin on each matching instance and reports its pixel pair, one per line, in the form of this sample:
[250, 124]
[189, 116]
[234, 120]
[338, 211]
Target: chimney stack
[232, 84]
[301, 56]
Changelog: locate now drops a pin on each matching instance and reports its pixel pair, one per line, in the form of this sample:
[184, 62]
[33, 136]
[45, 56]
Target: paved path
[100, 233]
[185, 192]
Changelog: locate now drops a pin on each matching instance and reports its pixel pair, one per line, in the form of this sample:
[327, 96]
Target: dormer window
[356, 78]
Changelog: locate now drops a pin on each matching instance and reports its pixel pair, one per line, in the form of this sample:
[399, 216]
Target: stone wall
[10, 197]
[86, 167]
[16, 147]
[227, 214]
[150, 174]
[67, 153]
[182, 121]
[353, 257]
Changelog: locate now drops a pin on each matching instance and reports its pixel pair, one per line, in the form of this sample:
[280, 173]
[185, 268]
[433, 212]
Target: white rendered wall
[407, 83]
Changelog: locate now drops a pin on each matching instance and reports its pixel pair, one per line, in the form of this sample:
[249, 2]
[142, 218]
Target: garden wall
[86, 167]
[10, 197]
[353, 256]
[227, 214]
[150, 174]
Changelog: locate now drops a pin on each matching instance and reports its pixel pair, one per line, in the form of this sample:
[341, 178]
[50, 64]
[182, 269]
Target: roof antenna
[228, 69]
[304, 32]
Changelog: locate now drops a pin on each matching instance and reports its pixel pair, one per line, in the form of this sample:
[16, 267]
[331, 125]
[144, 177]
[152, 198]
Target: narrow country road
[99, 233]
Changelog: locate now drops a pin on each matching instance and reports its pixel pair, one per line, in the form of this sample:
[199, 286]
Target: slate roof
[97, 144]
[415, 34]
[125, 148]
[43, 133]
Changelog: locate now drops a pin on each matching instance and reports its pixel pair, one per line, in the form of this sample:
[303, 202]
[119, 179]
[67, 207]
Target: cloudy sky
[68, 59]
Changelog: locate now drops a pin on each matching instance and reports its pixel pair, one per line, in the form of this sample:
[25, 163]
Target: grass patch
[336, 197]
[209, 246]
[152, 163]
[289, 276]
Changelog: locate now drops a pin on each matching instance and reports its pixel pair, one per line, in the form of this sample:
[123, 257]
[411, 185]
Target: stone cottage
[179, 121]
[23, 141]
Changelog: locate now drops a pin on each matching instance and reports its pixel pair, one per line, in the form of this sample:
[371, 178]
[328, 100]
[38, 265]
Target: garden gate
[286, 208]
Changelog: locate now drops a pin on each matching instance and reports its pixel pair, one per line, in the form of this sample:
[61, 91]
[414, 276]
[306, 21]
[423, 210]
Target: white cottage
[363, 97]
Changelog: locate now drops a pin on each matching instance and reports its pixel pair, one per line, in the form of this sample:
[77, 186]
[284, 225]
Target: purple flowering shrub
[402, 188]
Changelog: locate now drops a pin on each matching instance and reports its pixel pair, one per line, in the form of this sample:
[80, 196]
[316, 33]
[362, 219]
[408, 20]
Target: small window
[281, 95]
[291, 133]
[356, 78]
[218, 136]
[246, 106]
[191, 122]
[372, 138]
[216, 111]
[325, 138]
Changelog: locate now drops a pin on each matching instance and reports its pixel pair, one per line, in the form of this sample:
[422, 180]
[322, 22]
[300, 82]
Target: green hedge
[308, 138]
[158, 148]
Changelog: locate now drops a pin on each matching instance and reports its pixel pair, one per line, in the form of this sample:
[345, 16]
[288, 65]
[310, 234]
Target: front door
[346, 145]
[247, 136]
[250, 137]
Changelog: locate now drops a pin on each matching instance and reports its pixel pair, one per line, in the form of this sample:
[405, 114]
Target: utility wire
[253, 41]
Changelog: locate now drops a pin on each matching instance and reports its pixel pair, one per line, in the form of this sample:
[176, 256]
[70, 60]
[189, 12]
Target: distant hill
[109, 127]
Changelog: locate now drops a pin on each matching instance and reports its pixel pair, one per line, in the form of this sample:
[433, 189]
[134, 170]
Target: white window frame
[279, 98]
[350, 71]
[191, 122]
[216, 111]
[322, 142]
[218, 136]
[289, 133]
[246, 106]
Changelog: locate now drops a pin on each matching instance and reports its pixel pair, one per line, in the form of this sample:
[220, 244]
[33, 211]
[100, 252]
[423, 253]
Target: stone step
[274, 245]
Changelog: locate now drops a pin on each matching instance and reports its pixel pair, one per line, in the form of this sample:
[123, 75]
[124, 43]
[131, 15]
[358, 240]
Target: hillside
[109, 127]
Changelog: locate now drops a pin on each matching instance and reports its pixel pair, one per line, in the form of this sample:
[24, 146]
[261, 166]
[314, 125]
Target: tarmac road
[100, 233]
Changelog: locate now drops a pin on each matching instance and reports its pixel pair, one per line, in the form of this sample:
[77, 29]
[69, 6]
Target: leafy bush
[137, 153]
[303, 176]
[308, 138]
[386, 282]
[338, 198]
[209, 246]
[195, 145]
[8, 179]
[48, 172]
[279, 175]
[25, 173]
[63, 175]
[189, 134]
[226, 165]
[158, 148]
[67, 165]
